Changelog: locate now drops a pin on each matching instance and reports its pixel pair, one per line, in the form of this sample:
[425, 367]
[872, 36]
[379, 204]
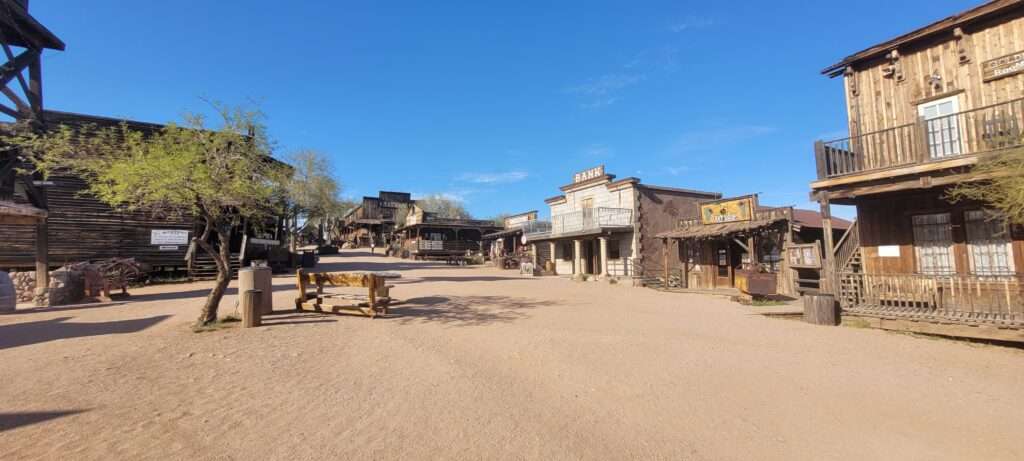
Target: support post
[828, 276]
[554, 265]
[603, 269]
[577, 257]
[686, 262]
[664, 258]
[533, 254]
[752, 251]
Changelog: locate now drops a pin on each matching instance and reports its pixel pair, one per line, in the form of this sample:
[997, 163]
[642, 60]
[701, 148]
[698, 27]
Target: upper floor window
[933, 244]
[988, 244]
[943, 126]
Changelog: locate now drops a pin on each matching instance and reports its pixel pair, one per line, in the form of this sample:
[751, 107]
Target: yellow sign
[734, 210]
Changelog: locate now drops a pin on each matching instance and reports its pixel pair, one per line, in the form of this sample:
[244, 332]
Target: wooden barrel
[8, 298]
[821, 310]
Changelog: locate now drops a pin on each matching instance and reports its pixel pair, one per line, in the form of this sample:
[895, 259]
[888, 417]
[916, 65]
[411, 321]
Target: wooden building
[608, 227]
[426, 235]
[376, 218]
[731, 239]
[509, 242]
[923, 108]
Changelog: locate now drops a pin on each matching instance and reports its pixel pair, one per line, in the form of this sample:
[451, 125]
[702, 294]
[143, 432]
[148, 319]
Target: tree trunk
[222, 257]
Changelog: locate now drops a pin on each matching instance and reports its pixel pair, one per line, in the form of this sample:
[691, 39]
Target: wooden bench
[376, 301]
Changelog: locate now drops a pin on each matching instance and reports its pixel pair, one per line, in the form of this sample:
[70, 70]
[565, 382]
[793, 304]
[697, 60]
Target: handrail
[847, 246]
[983, 129]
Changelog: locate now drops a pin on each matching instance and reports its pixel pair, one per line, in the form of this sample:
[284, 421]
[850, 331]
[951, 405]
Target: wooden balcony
[931, 142]
[963, 299]
[591, 219]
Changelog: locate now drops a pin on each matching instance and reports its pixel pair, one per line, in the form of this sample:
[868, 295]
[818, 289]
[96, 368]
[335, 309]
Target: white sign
[168, 237]
[587, 175]
[168, 248]
[264, 242]
[889, 251]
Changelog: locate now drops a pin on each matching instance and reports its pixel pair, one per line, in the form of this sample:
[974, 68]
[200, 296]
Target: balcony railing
[447, 246]
[967, 299]
[590, 219]
[970, 132]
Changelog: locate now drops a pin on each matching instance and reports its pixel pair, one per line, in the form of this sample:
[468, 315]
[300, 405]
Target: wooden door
[723, 265]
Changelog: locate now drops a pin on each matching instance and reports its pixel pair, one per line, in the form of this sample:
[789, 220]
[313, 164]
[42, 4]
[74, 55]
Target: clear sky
[495, 103]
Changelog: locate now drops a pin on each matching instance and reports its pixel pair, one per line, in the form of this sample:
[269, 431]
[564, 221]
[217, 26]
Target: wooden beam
[828, 259]
[11, 69]
[888, 173]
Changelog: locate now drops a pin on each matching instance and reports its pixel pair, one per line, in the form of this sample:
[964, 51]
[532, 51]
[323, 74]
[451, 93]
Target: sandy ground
[482, 364]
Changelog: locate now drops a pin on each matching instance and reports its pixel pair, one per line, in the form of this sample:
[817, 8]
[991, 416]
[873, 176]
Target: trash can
[308, 259]
[258, 278]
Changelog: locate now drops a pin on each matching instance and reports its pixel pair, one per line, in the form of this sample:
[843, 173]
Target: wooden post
[300, 276]
[819, 159]
[251, 311]
[752, 251]
[42, 260]
[554, 259]
[686, 262]
[371, 282]
[577, 257]
[828, 277]
[664, 258]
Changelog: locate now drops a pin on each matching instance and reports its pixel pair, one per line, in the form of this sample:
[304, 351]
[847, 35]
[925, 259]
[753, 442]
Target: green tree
[1002, 186]
[312, 195]
[220, 174]
[443, 207]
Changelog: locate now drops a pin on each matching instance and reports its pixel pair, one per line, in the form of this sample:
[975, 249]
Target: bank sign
[995, 69]
[586, 175]
[725, 211]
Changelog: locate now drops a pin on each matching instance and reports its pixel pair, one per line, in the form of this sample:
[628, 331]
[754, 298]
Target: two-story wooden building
[427, 235]
[923, 108]
[608, 227]
[375, 218]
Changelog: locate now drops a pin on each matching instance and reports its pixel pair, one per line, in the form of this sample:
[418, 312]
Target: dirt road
[482, 364]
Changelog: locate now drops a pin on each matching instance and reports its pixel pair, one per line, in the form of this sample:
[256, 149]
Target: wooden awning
[14, 213]
[718, 230]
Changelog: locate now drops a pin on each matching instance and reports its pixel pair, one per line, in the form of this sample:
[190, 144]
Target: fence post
[251, 313]
[819, 159]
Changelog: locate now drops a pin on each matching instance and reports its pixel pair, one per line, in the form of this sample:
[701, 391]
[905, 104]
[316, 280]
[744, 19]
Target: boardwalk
[482, 364]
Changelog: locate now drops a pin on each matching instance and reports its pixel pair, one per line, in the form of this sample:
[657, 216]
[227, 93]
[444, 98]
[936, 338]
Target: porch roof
[15, 213]
[722, 229]
[504, 233]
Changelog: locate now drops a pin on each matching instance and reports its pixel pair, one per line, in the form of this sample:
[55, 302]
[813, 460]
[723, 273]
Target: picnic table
[375, 302]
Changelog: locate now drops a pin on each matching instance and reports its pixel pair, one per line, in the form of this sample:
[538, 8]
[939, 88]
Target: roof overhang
[16, 213]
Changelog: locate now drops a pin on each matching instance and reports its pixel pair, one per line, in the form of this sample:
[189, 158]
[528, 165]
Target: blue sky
[496, 104]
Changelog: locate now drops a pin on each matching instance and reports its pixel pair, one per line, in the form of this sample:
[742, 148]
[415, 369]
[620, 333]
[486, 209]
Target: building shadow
[385, 264]
[10, 421]
[462, 311]
[198, 293]
[294, 317]
[69, 307]
[27, 333]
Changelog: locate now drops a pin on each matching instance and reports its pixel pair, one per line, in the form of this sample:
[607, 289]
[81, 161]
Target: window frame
[970, 247]
[950, 251]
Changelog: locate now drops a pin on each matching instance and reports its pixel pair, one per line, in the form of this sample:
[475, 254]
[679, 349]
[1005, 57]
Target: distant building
[923, 108]
[426, 235]
[608, 227]
[375, 218]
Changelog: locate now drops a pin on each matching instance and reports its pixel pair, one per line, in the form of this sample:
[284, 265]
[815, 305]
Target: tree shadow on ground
[69, 307]
[462, 311]
[470, 278]
[294, 317]
[24, 334]
[199, 294]
[10, 421]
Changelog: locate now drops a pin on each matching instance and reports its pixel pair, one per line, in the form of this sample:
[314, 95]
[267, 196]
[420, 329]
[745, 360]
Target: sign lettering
[168, 237]
[725, 211]
[995, 69]
[587, 175]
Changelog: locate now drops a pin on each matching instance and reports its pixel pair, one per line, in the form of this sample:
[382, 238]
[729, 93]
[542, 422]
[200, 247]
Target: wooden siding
[878, 99]
[659, 210]
[81, 228]
[886, 221]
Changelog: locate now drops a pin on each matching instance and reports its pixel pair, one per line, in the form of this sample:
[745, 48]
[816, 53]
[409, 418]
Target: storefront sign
[513, 221]
[995, 69]
[587, 175]
[168, 237]
[732, 210]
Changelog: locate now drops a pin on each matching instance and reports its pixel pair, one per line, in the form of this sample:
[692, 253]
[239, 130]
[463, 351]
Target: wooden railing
[976, 131]
[591, 219]
[447, 245]
[957, 298]
[847, 246]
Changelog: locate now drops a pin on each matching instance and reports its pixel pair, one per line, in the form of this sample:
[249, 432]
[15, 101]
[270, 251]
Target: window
[943, 126]
[567, 251]
[933, 244]
[771, 255]
[988, 244]
[613, 249]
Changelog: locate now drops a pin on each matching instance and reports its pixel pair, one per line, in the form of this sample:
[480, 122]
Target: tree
[221, 175]
[443, 207]
[1003, 186]
[311, 194]
[499, 220]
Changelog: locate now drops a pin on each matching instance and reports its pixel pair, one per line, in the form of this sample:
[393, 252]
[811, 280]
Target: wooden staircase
[850, 261]
[204, 268]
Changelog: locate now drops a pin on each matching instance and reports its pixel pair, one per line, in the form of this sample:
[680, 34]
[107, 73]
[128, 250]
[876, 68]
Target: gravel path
[482, 364]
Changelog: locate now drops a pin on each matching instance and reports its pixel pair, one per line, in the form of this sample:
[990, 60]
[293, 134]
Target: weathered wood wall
[887, 220]
[83, 228]
[877, 100]
[659, 210]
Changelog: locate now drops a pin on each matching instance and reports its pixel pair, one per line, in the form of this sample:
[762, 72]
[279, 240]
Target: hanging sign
[1005, 66]
[586, 175]
[168, 248]
[168, 237]
[724, 211]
